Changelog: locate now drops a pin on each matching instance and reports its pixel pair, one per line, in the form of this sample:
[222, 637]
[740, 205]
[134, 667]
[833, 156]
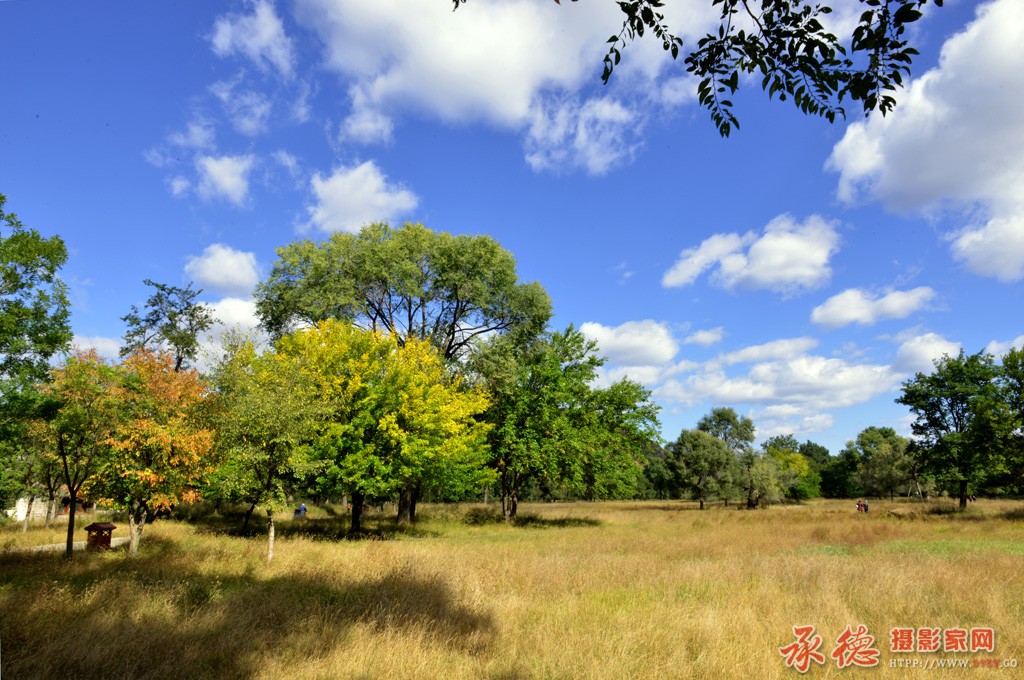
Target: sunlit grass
[605, 590]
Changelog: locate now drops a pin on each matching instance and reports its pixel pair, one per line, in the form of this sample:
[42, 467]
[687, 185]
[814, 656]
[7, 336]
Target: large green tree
[551, 427]
[702, 464]
[948, 405]
[408, 281]
[738, 433]
[788, 48]
[884, 464]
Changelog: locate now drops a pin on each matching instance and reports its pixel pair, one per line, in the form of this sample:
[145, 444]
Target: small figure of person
[865, 507]
[860, 506]
[302, 510]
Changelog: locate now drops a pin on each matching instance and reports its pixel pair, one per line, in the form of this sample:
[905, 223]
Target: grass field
[588, 590]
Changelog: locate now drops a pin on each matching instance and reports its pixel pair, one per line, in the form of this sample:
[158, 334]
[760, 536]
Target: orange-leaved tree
[160, 450]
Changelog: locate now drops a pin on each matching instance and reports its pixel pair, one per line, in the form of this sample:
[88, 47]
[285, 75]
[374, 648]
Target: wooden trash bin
[99, 535]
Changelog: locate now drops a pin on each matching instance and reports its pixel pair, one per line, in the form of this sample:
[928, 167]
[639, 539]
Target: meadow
[573, 590]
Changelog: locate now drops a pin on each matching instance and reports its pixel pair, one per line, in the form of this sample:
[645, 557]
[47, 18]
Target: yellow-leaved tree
[396, 418]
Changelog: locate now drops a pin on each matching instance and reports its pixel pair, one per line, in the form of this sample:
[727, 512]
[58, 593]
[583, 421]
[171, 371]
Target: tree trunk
[357, 514]
[487, 495]
[51, 509]
[963, 494]
[270, 535]
[405, 505]
[136, 523]
[72, 507]
[702, 503]
[248, 516]
[415, 496]
[28, 514]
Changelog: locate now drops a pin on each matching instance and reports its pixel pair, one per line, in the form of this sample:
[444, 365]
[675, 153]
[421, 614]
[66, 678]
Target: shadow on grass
[483, 516]
[164, 614]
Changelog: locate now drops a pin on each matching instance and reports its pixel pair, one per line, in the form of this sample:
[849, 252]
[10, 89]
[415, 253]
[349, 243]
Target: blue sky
[797, 271]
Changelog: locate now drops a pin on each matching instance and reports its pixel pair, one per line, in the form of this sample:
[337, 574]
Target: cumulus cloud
[785, 348]
[198, 134]
[634, 343]
[354, 196]
[785, 419]
[955, 141]
[917, 354]
[813, 383]
[109, 348]
[224, 177]
[706, 337]
[858, 306]
[519, 64]
[224, 269]
[259, 36]
[998, 349]
[788, 257]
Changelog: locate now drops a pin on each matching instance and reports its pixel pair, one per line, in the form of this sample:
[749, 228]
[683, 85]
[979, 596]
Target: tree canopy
[948, 405]
[172, 320]
[34, 310]
[409, 281]
[787, 44]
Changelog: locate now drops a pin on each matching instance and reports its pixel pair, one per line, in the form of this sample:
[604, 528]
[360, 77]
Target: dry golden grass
[606, 590]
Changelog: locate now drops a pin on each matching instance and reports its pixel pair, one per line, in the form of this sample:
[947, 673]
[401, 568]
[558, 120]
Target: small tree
[267, 415]
[172, 320]
[85, 412]
[160, 448]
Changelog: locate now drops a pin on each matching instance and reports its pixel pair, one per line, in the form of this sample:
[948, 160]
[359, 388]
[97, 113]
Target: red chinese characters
[804, 650]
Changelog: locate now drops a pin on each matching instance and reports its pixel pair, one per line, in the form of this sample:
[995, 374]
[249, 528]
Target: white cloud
[519, 64]
[109, 348]
[788, 257]
[918, 353]
[288, 161]
[354, 196]
[813, 383]
[786, 348]
[179, 186]
[224, 268]
[995, 249]
[956, 140]
[232, 312]
[224, 177]
[634, 343]
[248, 110]
[198, 134]
[998, 349]
[706, 337]
[854, 305]
[785, 419]
[259, 36]
[365, 123]
[594, 136]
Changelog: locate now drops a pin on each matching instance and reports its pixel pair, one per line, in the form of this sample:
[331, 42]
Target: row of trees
[404, 362]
